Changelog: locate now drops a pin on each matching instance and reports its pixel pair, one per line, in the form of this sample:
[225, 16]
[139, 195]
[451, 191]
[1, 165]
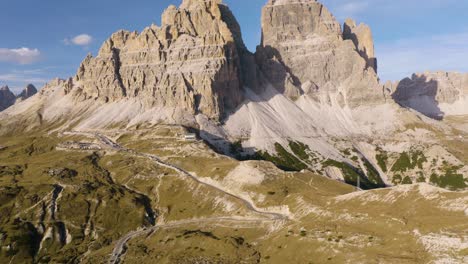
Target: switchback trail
[119, 249]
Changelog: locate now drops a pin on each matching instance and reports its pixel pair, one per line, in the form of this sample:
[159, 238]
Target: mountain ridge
[309, 82]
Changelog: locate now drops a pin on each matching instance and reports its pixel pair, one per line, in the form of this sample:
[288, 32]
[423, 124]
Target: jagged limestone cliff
[303, 51]
[193, 61]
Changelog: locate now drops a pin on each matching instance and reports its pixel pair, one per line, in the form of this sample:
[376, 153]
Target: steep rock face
[303, 51]
[435, 94]
[361, 35]
[27, 92]
[192, 62]
[7, 98]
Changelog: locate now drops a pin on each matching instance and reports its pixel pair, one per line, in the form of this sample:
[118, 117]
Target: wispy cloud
[15, 77]
[351, 8]
[18, 79]
[361, 8]
[20, 56]
[447, 52]
[80, 40]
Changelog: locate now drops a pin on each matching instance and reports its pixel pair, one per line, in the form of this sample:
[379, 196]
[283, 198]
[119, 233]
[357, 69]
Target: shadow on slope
[419, 93]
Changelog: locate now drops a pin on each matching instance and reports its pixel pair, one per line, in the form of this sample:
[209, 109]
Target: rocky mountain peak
[27, 92]
[195, 4]
[4, 88]
[361, 35]
[191, 62]
[303, 46]
[7, 98]
[297, 20]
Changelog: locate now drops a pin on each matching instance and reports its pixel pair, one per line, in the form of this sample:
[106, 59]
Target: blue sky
[45, 39]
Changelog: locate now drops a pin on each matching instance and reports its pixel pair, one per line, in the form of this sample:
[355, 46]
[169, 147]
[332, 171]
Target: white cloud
[80, 40]
[20, 56]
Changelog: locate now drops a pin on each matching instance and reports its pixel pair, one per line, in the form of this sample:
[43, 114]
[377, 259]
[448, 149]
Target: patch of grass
[283, 160]
[397, 179]
[407, 180]
[421, 177]
[347, 152]
[402, 164]
[236, 149]
[373, 175]
[299, 149]
[418, 159]
[382, 159]
[351, 174]
[451, 179]
[409, 161]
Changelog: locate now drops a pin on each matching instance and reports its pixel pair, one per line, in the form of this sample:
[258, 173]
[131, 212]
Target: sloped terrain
[148, 195]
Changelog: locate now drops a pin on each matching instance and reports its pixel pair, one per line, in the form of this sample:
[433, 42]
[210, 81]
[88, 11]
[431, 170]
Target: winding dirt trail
[119, 248]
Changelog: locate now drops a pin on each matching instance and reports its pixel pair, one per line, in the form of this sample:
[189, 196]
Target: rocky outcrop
[195, 61]
[303, 51]
[7, 98]
[435, 94]
[361, 35]
[27, 92]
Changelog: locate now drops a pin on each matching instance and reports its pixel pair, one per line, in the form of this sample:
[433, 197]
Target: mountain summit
[192, 62]
[27, 92]
[7, 98]
[303, 50]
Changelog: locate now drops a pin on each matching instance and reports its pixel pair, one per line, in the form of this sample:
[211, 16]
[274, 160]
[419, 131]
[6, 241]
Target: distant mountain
[27, 92]
[7, 98]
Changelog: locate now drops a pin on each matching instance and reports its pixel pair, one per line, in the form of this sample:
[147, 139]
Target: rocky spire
[27, 92]
[362, 38]
[7, 98]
